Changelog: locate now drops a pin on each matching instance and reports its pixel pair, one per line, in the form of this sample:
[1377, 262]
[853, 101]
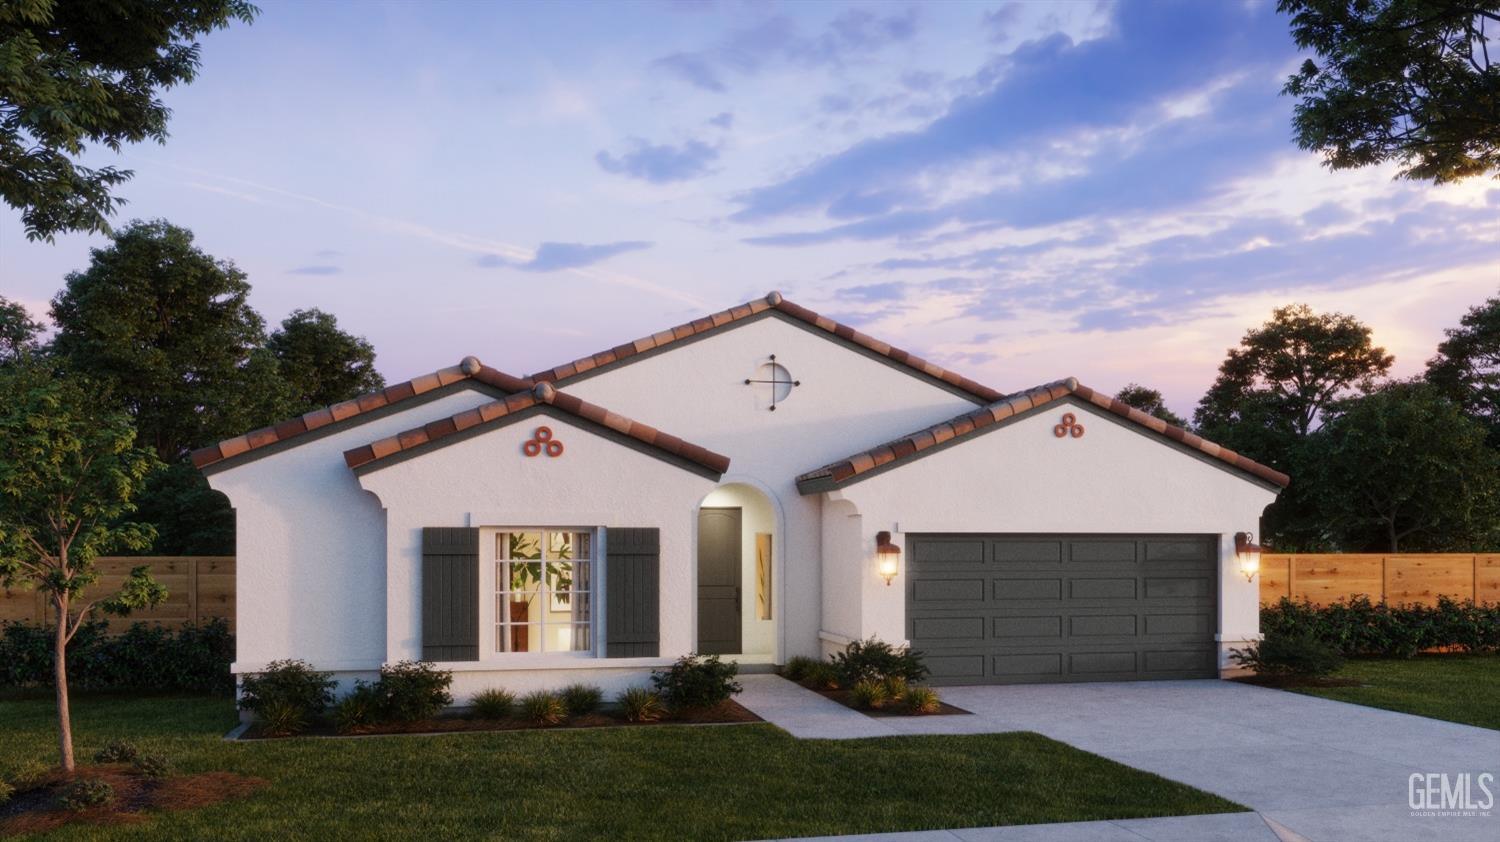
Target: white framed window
[544, 590]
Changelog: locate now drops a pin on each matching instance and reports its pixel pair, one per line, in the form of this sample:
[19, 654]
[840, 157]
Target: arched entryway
[737, 575]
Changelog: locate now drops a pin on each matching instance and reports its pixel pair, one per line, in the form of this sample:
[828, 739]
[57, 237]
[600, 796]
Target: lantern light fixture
[887, 557]
[1247, 553]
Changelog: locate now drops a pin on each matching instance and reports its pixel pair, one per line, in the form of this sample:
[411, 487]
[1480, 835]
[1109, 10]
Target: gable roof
[470, 369]
[771, 304]
[856, 467]
[514, 408]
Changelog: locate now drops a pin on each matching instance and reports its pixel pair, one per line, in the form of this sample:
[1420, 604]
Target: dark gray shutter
[450, 593]
[633, 560]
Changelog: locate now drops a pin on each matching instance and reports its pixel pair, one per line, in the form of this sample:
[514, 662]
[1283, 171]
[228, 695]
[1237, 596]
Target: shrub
[868, 694]
[493, 704]
[413, 690]
[581, 699]
[921, 700]
[696, 682]
[152, 765]
[895, 688]
[1358, 627]
[821, 675]
[6, 791]
[286, 696]
[282, 718]
[543, 708]
[360, 709]
[85, 793]
[189, 659]
[796, 668]
[27, 775]
[641, 705]
[877, 660]
[1298, 654]
[117, 751]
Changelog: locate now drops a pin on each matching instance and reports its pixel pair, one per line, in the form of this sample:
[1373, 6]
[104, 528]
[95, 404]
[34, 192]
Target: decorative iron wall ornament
[777, 377]
[541, 440]
[1068, 427]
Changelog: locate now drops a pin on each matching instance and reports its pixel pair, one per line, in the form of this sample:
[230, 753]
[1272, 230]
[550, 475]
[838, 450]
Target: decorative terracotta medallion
[1068, 427]
[542, 440]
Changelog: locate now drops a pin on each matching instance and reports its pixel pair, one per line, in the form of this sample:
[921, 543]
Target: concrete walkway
[1324, 770]
[1221, 827]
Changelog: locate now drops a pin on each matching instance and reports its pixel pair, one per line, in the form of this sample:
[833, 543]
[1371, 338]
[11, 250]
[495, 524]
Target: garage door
[1003, 609]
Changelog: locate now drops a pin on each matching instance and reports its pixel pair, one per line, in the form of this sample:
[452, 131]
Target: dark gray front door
[1011, 609]
[719, 560]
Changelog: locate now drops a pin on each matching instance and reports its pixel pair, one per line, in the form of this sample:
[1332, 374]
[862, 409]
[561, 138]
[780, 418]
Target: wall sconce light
[1247, 553]
[887, 557]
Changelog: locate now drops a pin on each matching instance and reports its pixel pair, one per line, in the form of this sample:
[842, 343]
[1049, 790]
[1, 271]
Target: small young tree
[68, 470]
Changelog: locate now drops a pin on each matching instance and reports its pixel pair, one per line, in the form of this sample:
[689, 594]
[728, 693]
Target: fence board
[1420, 578]
[199, 588]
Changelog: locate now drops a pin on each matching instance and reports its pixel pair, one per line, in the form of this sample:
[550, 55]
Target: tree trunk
[60, 678]
[1391, 528]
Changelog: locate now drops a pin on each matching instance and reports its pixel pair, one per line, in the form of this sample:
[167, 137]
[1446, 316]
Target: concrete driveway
[1326, 770]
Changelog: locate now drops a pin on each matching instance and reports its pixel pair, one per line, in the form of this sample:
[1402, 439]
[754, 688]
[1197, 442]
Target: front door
[719, 630]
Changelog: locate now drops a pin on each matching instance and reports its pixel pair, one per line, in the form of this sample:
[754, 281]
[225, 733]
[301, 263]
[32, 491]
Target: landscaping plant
[639, 704]
[868, 694]
[696, 682]
[821, 675]
[411, 691]
[1298, 654]
[117, 751]
[287, 695]
[85, 793]
[921, 700]
[360, 709]
[1358, 627]
[875, 660]
[796, 668]
[581, 699]
[543, 708]
[493, 703]
[152, 765]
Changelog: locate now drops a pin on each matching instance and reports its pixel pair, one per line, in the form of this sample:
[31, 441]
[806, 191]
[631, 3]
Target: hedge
[144, 657]
[1359, 627]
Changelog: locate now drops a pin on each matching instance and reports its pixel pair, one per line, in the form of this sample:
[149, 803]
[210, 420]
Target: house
[761, 483]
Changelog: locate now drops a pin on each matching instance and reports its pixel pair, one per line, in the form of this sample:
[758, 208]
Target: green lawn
[669, 782]
[1458, 688]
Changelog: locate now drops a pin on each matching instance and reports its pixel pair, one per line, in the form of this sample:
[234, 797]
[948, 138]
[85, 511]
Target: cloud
[319, 269]
[724, 120]
[659, 163]
[551, 257]
[747, 51]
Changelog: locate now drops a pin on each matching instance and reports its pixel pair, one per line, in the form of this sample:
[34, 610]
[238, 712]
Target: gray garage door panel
[1001, 609]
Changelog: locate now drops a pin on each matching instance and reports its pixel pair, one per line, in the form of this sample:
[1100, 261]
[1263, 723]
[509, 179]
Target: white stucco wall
[847, 401]
[486, 481]
[1022, 478]
[310, 547]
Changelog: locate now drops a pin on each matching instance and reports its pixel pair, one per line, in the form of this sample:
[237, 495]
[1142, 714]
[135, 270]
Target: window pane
[520, 637]
[567, 637]
[524, 545]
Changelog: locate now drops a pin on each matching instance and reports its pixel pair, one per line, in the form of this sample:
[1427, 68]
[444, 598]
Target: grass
[701, 782]
[1458, 688]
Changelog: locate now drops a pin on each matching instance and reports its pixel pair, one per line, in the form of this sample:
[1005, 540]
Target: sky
[1017, 191]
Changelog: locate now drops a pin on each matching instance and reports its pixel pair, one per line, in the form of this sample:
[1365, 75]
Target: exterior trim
[772, 305]
[1023, 404]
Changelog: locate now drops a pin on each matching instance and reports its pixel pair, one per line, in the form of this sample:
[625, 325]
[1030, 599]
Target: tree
[68, 471]
[1409, 80]
[170, 331]
[74, 72]
[1403, 469]
[18, 331]
[1467, 366]
[1269, 396]
[1150, 402]
[321, 364]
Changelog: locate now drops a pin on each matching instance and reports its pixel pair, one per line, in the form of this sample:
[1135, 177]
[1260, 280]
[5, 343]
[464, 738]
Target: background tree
[1150, 402]
[1409, 80]
[74, 72]
[1467, 366]
[68, 472]
[321, 364]
[1270, 394]
[18, 331]
[1403, 469]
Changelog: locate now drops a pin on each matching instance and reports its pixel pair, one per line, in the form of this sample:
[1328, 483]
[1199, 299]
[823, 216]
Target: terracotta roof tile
[907, 447]
[290, 429]
[740, 312]
[541, 393]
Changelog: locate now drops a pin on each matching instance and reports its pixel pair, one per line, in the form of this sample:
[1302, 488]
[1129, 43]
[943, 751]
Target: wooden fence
[199, 588]
[1322, 578]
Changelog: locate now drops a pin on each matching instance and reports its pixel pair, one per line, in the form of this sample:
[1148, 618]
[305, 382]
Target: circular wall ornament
[542, 440]
[774, 381]
[1068, 427]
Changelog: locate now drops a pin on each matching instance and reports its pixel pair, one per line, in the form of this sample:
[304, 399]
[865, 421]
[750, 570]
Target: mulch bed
[843, 698]
[726, 713]
[1282, 682]
[136, 797]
